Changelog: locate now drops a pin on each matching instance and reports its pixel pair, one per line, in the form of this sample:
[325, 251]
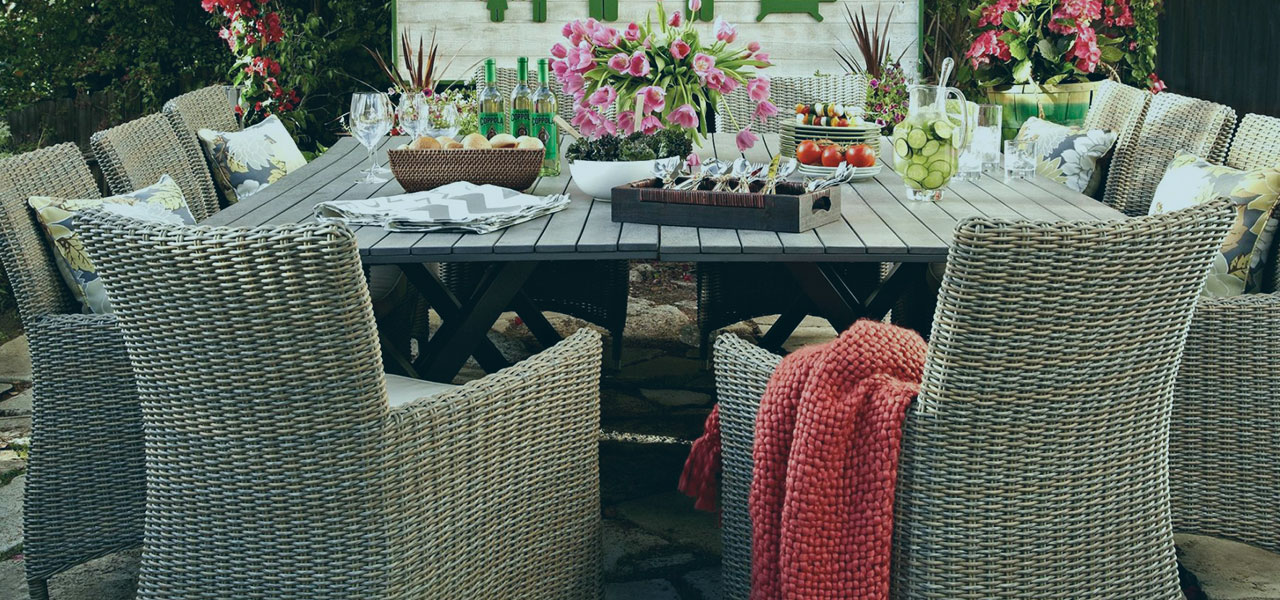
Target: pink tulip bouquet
[655, 77]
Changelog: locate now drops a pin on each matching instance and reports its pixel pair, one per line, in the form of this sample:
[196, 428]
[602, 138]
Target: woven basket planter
[419, 170]
[1066, 104]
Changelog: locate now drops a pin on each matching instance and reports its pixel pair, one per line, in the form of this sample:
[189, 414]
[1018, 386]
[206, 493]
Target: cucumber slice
[941, 167]
[916, 171]
[919, 159]
[916, 138]
[943, 129]
[930, 148]
[956, 139]
[933, 181]
[900, 148]
[913, 184]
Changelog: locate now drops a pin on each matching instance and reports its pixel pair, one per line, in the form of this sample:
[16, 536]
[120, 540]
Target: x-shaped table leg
[825, 290]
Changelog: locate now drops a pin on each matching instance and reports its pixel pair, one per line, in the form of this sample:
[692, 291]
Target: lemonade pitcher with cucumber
[927, 144]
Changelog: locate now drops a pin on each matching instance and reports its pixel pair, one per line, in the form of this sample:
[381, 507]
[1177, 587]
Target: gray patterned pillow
[245, 162]
[1068, 155]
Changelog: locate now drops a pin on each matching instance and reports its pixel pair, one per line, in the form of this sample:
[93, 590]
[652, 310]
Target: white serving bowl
[597, 178]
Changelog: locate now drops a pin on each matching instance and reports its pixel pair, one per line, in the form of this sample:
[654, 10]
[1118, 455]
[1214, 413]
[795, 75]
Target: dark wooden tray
[791, 210]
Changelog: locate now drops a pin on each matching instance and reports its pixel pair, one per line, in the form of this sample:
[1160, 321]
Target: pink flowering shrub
[253, 32]
[659, 75]
[1062, 41]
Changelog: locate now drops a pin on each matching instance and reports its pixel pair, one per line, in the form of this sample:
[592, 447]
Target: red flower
[269, 27]
[1155, 84]
[993, 14]
[1082, 12]
[987, 44]
[1118, 14]
[1085, 50]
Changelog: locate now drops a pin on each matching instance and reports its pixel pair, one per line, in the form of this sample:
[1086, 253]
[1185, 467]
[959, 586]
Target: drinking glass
[1019, 159]
[983, 152]
[441, 120]
[371, 119]
[412, 113]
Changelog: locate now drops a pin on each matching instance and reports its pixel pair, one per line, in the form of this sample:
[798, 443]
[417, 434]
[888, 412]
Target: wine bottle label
[521, 122]
[491, 124]
[544, 128]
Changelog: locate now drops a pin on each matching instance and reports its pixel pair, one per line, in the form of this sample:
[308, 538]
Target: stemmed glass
[371, 119]
[413, 112]
[441, 120]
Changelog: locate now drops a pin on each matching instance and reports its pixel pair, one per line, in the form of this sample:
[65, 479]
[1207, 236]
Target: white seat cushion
[402, 390]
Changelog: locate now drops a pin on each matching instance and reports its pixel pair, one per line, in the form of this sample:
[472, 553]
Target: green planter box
[1067, 103]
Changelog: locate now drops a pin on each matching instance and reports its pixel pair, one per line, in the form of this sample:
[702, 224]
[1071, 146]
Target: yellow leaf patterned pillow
[245, 162]
[162, 202]
[1240, 266]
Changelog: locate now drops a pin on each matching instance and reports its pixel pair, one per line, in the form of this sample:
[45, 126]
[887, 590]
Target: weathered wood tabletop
[879, 223]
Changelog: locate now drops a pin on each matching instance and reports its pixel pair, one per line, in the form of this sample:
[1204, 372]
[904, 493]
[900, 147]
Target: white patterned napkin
[459, 206]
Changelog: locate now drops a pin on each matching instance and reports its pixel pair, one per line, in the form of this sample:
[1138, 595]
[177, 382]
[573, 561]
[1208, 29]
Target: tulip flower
[685, 116]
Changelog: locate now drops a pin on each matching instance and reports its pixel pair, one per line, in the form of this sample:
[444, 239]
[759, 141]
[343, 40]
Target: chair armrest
[86, 483]
[1225, 425]
[495, 486]
[742, 373]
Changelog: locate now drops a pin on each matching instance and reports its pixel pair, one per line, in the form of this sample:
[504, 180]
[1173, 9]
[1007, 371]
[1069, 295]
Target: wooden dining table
[878, 224]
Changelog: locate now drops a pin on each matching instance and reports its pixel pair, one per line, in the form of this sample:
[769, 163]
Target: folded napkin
[459, 206]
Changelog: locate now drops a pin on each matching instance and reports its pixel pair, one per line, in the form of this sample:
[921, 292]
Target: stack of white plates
[791, 134]
[859, 173]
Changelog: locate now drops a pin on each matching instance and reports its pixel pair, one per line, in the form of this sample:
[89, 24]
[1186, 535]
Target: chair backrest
[58, 171]
[507, 79]
[1172, 124]
[287, 387]
[134, 155]
[787, 92]
[1035, 459]
[210, 107]
[1118, 108]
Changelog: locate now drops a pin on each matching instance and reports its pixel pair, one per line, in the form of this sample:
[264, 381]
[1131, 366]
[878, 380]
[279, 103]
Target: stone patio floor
[656, 547]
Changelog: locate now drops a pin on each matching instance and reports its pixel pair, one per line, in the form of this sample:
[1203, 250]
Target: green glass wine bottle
[492, 116]
[521, 100]
[544, 122]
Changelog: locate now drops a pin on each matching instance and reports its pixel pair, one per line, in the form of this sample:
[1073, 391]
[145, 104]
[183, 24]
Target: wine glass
[441, 120]
[371, 119]
[413, 114]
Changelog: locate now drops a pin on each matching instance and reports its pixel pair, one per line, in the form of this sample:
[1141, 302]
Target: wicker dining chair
[290, 465]
[1118, 108]
[85, 483]
[210, 107]
[786, 93]
[1035, 461]
[134, 155]
[1172, 124]
[1225, 431]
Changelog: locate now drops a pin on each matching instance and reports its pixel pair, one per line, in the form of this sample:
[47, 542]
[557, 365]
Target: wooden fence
[1224, 51]
[51, 122]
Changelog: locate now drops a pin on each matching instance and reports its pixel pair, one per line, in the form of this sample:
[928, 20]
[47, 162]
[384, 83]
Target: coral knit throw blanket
[827, 440]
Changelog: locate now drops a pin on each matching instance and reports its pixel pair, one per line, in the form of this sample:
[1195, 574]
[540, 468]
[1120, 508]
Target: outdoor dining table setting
[877, 223]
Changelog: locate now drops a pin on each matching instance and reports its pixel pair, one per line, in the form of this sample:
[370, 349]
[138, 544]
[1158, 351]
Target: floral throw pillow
[162, 202]
[245, 162]
[1240, 266]
[1068, 155]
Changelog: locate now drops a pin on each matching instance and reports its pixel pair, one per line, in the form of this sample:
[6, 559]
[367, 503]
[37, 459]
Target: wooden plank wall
[797, 44]
[1224, 51]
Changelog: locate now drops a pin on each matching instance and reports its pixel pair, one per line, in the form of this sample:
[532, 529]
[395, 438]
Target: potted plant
[886, 80]
[601, 164]
[1046, 57]
[652, 76]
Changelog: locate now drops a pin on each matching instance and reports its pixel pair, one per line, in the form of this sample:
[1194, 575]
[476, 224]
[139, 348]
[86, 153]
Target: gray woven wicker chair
[1119, 108]
[343, 482]
[210, 107]
[1035, 461]
[1225, 431]
[733, 292]
[85, 480]
[787, 92]
[134, 155]
[1172, 124]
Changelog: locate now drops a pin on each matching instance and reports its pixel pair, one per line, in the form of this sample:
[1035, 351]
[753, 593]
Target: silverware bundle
[844, 174]
[737, 176]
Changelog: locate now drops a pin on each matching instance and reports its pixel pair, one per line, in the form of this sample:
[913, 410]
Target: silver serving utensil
[785, 169]
[754, 173]
[668, 170]
[843, 174]
[712, 169]
[737, 170]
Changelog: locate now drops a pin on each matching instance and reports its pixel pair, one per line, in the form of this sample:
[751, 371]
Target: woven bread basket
[419, 170]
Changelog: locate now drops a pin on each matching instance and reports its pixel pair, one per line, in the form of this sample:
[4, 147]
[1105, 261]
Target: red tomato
[860, 155]
[808, 153]
[832, 156]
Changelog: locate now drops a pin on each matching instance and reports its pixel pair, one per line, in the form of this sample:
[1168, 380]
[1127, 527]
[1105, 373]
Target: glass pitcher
[927, 144]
